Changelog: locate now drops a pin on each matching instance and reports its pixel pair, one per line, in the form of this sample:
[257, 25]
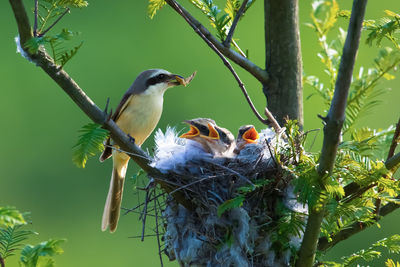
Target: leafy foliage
[56, 44]
[154, 6]
[41, 254]
[390, 263]
[364, 91]
[387, 27]
[89, 144]
[10, 216]
[11, 239]
[392, 244]
[53, 11]
[220, 20]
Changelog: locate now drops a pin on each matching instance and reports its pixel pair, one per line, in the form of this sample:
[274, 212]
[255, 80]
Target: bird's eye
[203, 128]
[161, 76]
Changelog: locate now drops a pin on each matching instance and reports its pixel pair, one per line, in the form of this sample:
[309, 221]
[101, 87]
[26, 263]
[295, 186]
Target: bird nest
[237, 204]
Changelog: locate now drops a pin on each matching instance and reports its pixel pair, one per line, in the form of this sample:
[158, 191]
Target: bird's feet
[132, 139]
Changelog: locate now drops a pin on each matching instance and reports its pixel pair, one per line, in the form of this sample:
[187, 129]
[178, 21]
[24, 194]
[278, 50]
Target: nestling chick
[247, 135]
[214, 139]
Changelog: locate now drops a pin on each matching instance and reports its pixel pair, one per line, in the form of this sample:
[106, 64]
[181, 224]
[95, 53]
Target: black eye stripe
[157, 79]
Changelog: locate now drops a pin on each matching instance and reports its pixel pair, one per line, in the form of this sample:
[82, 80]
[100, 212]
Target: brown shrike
[137, 115]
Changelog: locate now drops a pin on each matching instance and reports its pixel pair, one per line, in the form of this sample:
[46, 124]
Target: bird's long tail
[114, 197]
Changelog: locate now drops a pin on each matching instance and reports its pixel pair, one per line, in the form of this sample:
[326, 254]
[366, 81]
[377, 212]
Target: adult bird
[214, 139]
[137, 115]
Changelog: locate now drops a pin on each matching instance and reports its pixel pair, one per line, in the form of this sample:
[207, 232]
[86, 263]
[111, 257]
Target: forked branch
[246, 64]
[206, 39]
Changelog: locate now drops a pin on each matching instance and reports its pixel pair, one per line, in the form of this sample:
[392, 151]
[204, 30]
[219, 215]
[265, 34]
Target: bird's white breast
[141, 115]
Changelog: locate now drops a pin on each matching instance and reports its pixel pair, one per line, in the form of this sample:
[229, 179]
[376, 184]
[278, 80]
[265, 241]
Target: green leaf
[392, 244]
[230, 204]
[65, 57]
[10, 216]
[386, 27]
[89, 144]
[154, 6]
[40, 255]
[34, 44]
[11, 239]
[68, 3]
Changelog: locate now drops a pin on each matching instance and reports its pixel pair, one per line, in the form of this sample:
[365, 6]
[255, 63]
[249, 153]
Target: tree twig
[144, 214]
[185, 15]
[393, 161]
[55, 22]
[36, 18]
[332, 129]
[157, 232]
[257, 72]
[395, 140]
[228, 39]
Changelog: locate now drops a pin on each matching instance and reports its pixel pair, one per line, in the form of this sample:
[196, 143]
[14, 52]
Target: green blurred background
[39, 122]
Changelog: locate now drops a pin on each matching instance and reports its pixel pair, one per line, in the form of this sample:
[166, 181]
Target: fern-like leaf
[68, 3]
[89, 144]
[392, 244]
[154, 6]
[10, 216]
[391, 263]
[69, 54]
[387, 27]
[11, 238]
[41, 254]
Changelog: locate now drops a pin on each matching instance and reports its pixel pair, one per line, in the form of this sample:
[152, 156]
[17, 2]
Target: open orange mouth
[251, 136]
[191, 133]
[213, 134]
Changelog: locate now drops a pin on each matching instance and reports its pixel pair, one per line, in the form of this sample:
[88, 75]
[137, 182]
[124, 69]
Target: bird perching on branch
[137, 115]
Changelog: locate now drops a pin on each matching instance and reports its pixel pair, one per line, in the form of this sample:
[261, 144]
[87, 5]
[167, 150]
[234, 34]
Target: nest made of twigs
[244, 233]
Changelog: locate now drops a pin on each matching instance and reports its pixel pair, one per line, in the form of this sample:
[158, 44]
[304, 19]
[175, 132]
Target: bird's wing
[120, 108]
[122, 105]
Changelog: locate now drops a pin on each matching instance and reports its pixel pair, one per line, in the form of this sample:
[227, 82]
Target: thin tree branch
[55, 22]
[157, 231]
[395, 140]
[355, 228]
[393, 161]
[246, 64]
[24, 27]
[332, 129]
[228, 39]
[392, 149]
[36, 18]
[184, 14]
[72, 89]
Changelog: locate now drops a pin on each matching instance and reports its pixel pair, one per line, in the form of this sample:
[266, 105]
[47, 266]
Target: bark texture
[283, 60]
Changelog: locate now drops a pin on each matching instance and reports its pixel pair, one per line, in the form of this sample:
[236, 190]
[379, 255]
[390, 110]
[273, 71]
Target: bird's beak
[176, 80]
[193, 131]
[251, 136]
[213, 134]
[179, 80]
